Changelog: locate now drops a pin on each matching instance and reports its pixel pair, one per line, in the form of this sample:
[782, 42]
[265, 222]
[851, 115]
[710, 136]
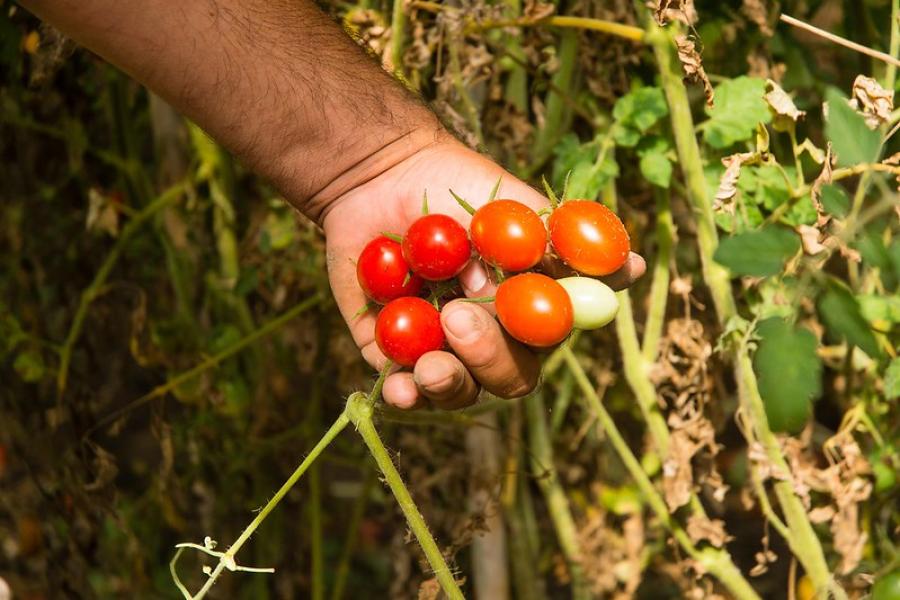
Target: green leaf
[657, 168]
[853, 142]
[877, 307]
[835, 200]
[789, 373]
[587, 176]
[892, 380]
[30, 366]
[758, 253]
[641, 108]
[738, 109]
[625, 136]
[843, 319]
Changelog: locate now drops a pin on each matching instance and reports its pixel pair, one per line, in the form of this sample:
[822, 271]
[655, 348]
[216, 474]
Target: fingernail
[462, 322]
[474, 277]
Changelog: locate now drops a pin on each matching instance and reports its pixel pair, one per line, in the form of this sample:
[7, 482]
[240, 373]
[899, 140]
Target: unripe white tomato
[593, 302]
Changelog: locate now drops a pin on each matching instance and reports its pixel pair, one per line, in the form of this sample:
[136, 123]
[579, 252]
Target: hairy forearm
[275, 81]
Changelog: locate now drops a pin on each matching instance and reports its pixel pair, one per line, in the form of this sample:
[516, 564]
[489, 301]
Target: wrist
[345, 167]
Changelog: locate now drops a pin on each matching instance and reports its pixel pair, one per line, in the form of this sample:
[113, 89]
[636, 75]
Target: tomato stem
[551, 195]
[466, 206]
[393, 236]
[495, 190]
[425, 202]
[481, 300]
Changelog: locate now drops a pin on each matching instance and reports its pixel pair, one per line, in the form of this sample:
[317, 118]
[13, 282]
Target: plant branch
[95, 288]
[541, 452]
[890, 60]
[360, 413]
[717, 561]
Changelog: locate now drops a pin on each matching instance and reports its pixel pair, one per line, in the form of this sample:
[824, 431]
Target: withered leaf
[700, 527]
[693, 66]
[756, 12]
[872, 100]
[810, 239]
[723, 202]
[784, 112]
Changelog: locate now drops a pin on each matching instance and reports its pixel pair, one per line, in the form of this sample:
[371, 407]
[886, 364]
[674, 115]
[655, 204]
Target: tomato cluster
[511, 238]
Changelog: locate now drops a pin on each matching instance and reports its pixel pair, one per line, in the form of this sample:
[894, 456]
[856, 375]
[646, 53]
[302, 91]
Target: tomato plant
[534, 309]
[594, 304]
[887, 587]
[589, 237]
[436, 247]
[383, 273]
[407, 328]
[508, 234]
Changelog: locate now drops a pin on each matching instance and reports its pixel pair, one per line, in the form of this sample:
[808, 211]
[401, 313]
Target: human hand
[483, 355]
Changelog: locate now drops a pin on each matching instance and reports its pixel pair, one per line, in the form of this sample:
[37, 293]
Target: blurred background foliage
[169, 349]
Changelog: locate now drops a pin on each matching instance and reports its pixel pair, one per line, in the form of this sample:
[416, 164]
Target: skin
[282, 87]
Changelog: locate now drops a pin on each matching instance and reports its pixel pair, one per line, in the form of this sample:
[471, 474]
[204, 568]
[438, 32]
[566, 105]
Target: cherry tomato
[508, 234]
[436, 247]
[589, 237]
[534, 309]
[407, 328]
[594, 304]
[383, 273]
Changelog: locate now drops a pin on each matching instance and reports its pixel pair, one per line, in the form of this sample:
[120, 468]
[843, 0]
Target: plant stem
[636, 367]
[360, 413]
[555, 114]
[94, 289]
[659, 286]
[717, 561]
[804, 543]
[541, 451]
[229, 555]
[210, 362]
[890, 76]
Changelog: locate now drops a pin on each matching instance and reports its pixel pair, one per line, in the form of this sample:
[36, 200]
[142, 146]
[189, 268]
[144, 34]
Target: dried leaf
[723, 202]
[810, 239]
[824, 178]
[784, 112]
[893, 159]
[693, 66]
[536, 10]
[102, 214]
[755, 10]
[872, 100]
[821, 514]
[701, 527]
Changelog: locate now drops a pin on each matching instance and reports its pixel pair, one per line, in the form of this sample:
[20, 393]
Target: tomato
[508, 234]
[594, 304]
[887, 587]
[534, 309]
[589, 237]
[407, 328]
[383, 273]
[436, 247]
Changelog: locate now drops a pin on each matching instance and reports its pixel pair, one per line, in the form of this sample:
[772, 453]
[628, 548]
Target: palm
[393, 201]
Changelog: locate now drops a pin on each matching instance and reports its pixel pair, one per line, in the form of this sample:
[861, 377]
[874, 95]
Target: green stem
[228, 558]
[541, 451]
[94, 289]
[555, 114]
[659, 287]
[360, 413]
[469, 109]
[210, 362]
[717, 561]
[804, 543]
[636, 368]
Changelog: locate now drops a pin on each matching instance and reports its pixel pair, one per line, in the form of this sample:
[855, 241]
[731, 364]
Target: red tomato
[383, 273]
[436, 247]
[589, 237]
[407, 328]
[508, 234]
[534, 309]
